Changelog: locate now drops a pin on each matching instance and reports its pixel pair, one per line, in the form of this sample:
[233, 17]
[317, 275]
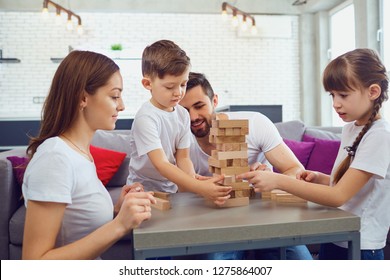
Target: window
[342, 37]
[385, 46]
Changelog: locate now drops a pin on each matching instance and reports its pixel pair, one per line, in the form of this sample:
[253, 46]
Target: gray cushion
[118, 140]
[292, 130]
[16, 226]
[330, 133]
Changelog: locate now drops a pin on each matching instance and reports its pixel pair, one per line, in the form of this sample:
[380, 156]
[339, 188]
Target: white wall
[241, 70]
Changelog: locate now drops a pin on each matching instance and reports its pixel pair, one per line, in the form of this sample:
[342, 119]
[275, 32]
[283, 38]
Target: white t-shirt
[153, 129]
[59, 174]
[372, 202]
[263, 136]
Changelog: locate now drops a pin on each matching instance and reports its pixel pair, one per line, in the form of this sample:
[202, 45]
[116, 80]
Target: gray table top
[191, 221]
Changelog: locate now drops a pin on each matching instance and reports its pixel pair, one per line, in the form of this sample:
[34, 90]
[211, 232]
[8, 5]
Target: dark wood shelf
[9, 60]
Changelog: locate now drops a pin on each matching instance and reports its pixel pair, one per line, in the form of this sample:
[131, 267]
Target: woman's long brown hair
[79, 72]
[357, 69]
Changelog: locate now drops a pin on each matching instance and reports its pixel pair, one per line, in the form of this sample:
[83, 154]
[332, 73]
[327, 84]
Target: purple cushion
[324, 154]
[301, 150]
[19, 165]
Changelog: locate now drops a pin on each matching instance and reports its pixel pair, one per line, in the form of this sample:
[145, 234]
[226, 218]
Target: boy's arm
[184, 162]
[186, 182]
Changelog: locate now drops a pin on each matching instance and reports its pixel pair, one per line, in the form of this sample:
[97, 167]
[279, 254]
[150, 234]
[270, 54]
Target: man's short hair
[164, 57]
[199, 79]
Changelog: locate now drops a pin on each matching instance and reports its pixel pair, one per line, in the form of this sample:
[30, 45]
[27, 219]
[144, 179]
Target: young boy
[160, 135]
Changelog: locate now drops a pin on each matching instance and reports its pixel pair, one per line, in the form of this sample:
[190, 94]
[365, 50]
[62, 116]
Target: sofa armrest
[10, 198]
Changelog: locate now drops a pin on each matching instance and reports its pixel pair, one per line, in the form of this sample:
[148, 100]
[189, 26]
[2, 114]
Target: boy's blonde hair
[164, 57]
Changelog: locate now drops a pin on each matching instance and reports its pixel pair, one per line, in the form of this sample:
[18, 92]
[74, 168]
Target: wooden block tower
[231, 156]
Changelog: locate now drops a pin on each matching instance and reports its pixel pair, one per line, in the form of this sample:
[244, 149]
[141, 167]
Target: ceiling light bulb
[235, 21]
[45, 13]
[253, 30]
[80, 30]
[244, 24]
[69, 25]
[224, 15]
[58, 18]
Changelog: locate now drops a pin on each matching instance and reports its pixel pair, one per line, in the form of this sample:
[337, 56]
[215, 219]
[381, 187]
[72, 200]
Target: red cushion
[107, 162]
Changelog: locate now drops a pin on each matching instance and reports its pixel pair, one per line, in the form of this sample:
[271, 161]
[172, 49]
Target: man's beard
[200, 133]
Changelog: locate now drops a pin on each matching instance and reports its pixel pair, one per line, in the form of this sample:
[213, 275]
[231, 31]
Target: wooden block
[289, 198]
[244, 130]
[230, 123]
[161, 204]
[226, 147]
[228, 180]
[243, 146]
[276, 192]
[240, 185]
[239, 162]
[229, 131]
[234, 202]
[218, 131]
[226, 139]
[236, 131]
[237, 193]
[217, 163]
[229, 170]
[221, 116]
[162, 195]
[231, 155]
[265, 195]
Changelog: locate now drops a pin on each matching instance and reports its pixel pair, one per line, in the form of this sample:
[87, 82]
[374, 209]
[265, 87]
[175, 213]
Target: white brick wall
[241, 70]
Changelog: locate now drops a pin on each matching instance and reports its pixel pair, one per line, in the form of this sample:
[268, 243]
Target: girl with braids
[360, 179]
[70, 214]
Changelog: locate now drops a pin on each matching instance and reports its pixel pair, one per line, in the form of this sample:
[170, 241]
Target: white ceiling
[175, 6]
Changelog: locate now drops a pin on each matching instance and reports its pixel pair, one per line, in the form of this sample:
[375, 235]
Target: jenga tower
[231, 156]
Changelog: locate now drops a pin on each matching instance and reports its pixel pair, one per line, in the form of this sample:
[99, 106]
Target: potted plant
[116, 50]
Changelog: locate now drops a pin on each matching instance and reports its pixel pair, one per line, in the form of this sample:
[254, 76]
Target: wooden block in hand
[161, 204]
[163, 195]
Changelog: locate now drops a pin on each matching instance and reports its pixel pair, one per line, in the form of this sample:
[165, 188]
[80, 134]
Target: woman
[69, 212]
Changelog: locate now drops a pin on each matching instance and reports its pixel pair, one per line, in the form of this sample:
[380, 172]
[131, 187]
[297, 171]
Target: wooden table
[193, 227]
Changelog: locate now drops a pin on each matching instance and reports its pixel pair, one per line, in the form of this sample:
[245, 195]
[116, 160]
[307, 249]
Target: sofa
[310, 144]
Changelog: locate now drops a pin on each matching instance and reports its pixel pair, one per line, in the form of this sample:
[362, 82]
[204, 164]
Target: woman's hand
[135, 209]
[136, 187]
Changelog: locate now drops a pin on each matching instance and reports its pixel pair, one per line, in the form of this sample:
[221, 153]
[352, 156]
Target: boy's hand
[214, 192]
